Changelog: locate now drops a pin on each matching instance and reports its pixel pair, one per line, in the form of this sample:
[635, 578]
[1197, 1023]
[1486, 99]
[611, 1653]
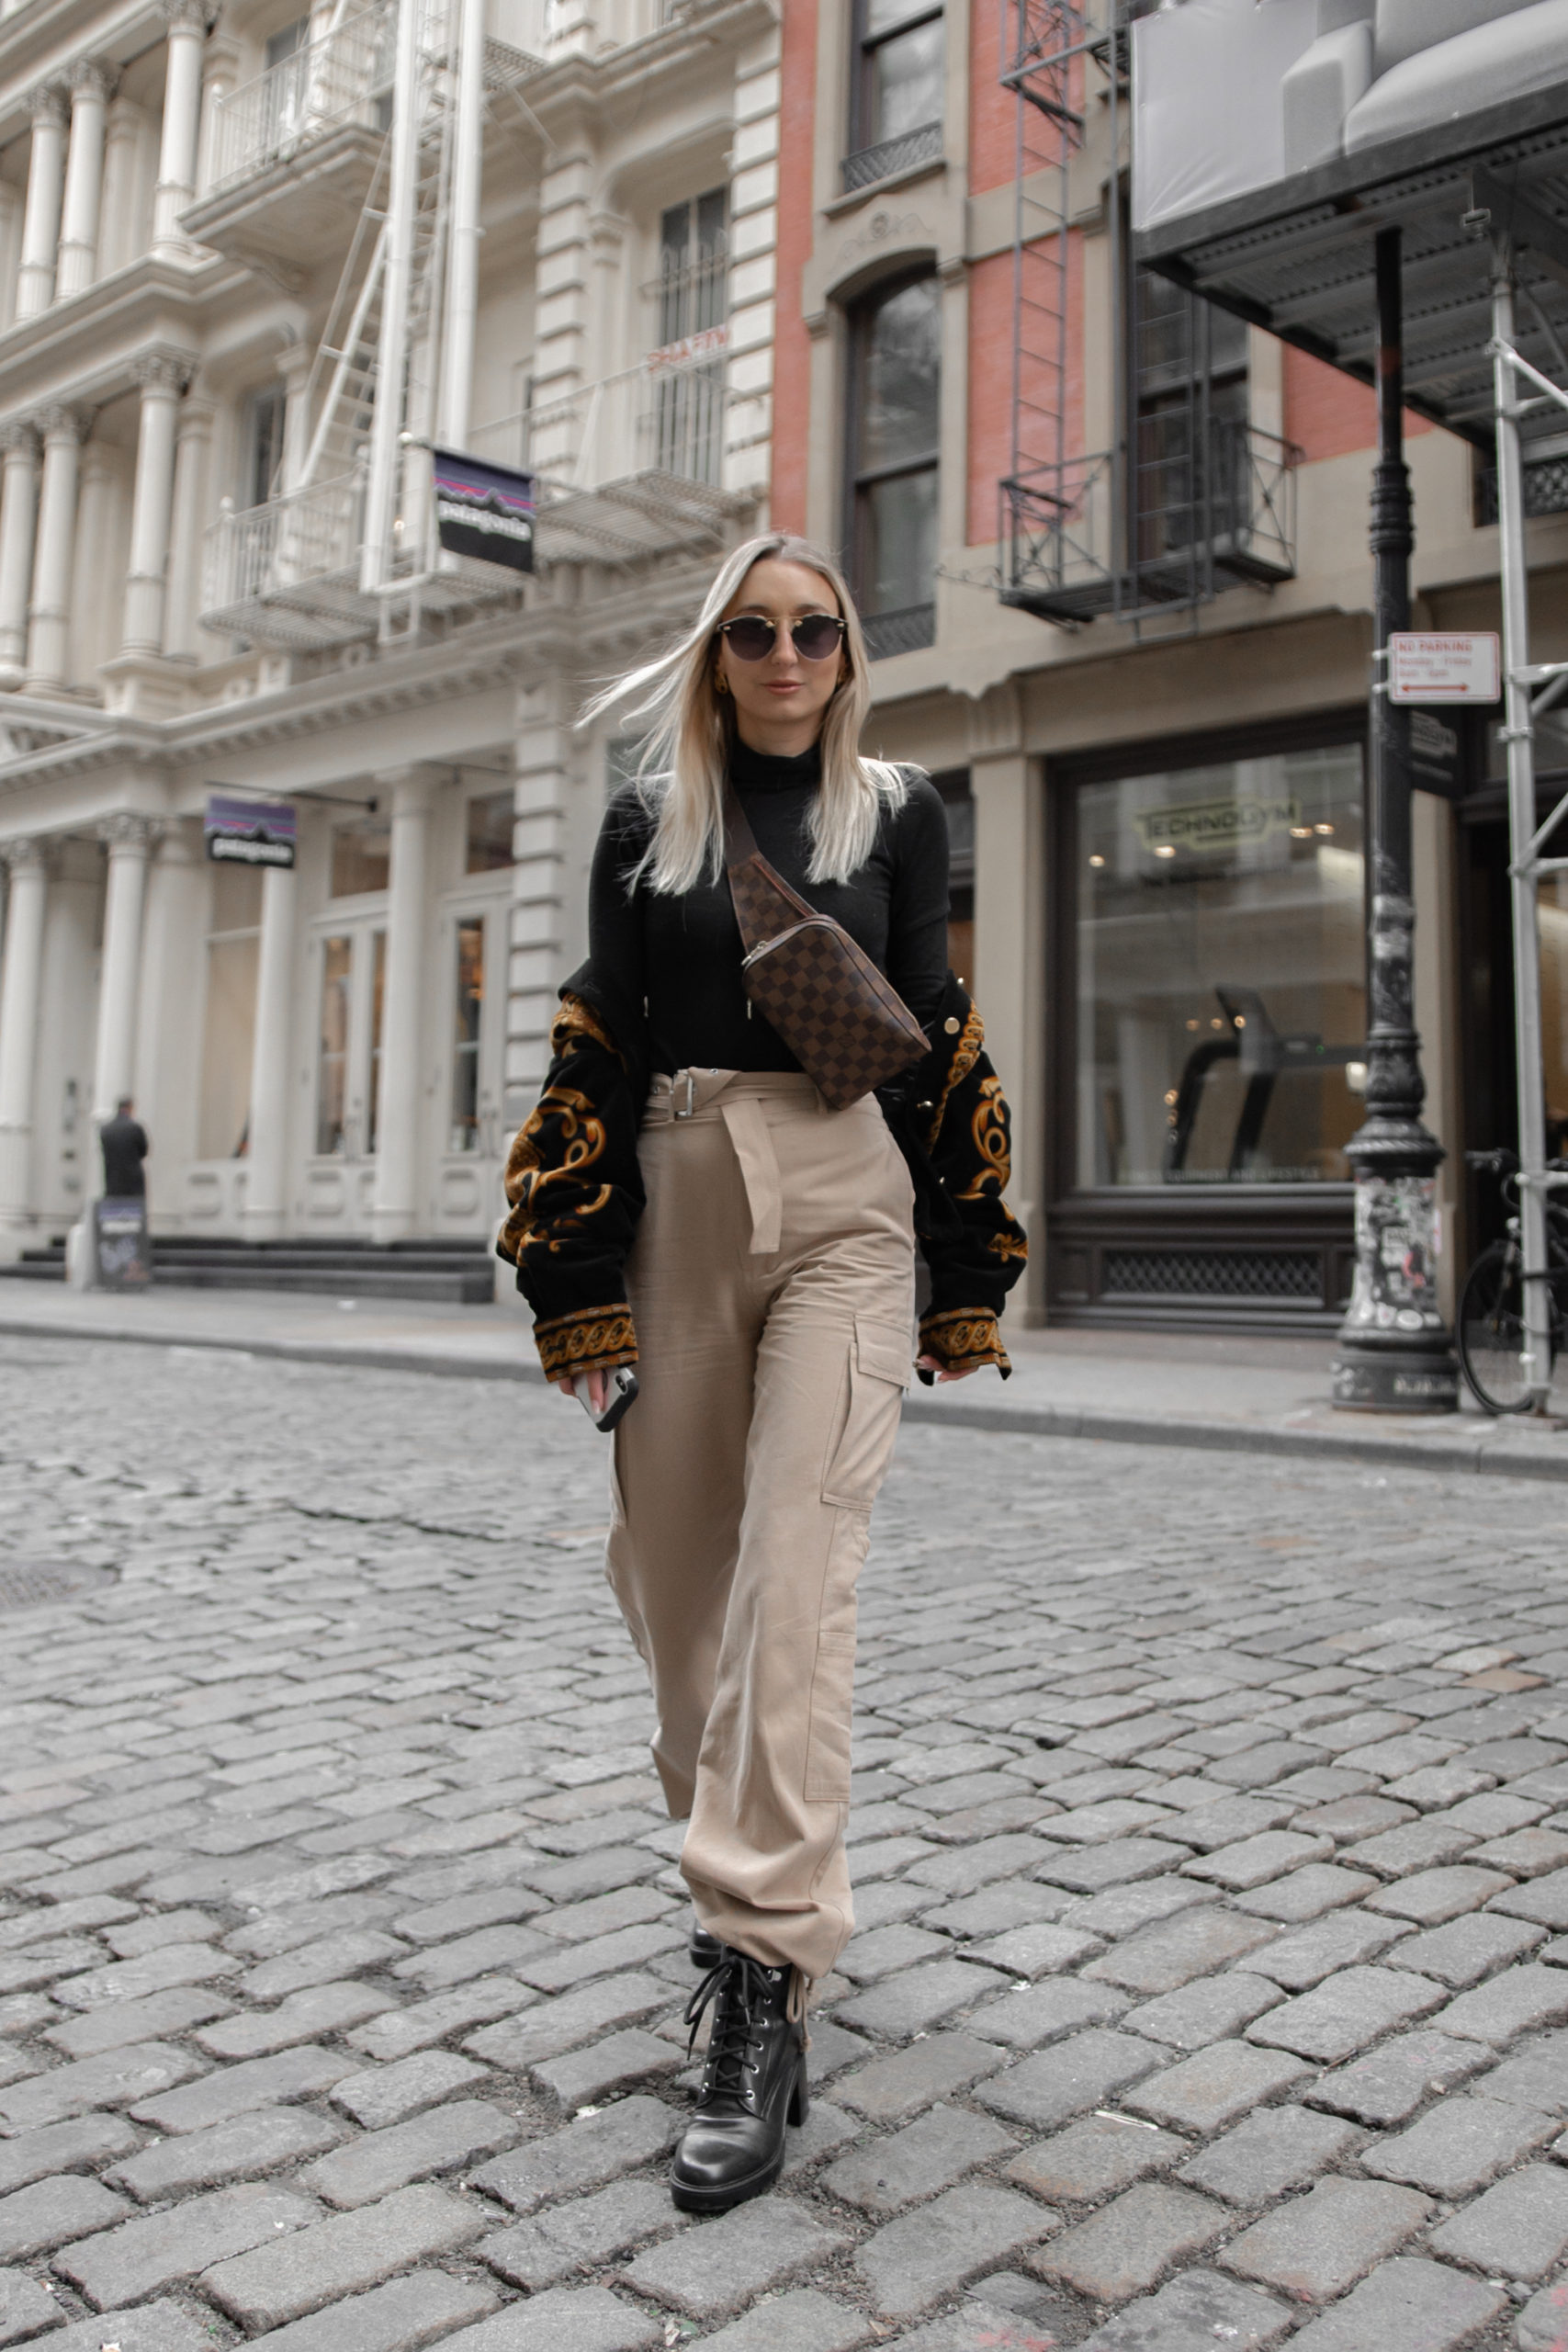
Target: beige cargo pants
[773, 1284]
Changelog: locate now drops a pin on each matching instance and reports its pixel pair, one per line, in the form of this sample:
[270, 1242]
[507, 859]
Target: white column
[119, 237]
[267, 1177]
[221, 62]
[19, 514]
[168, 1039]
[539, 842]
[187, 20]
[561, 306]
[192, 457]
[41, 224]
[90, 84]
[128, 840]
[395, 1209]
[95, 594]
[19, 978]
[163, 383]
[48, 616]
[746, 422]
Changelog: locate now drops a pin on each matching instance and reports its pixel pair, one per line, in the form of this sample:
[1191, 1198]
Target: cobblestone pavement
[1211, 1833]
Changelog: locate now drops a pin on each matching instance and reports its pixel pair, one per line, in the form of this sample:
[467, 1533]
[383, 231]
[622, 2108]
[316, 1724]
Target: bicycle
[1490, 1333]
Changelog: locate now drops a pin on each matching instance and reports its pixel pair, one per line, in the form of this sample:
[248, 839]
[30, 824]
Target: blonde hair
[685, 753]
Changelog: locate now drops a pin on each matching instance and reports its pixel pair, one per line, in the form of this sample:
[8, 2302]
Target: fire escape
[383, 115]
[1188, 498]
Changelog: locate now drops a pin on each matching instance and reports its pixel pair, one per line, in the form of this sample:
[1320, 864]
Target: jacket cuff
[599, 1340]
[963, 1339]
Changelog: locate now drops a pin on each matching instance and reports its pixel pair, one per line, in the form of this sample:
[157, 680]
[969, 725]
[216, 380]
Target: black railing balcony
[904, 155]
[1197, 515]
[1545, 483]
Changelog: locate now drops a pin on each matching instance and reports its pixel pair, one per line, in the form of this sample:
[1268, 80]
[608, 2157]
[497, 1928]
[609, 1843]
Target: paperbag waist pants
[773, 1284]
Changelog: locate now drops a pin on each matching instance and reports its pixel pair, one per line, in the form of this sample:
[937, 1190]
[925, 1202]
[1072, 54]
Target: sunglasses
[752, 639]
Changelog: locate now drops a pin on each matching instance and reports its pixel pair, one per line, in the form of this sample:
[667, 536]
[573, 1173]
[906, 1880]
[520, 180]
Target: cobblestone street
[1211, 1838]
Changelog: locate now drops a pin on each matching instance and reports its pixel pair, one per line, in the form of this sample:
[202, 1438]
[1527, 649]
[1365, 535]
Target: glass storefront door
[473, 1146]
[350, 987]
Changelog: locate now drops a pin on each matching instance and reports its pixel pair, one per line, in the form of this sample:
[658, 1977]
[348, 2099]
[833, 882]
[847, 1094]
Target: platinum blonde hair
[685, 753]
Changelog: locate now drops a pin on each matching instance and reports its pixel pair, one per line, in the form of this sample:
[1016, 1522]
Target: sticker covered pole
[1395, 1354]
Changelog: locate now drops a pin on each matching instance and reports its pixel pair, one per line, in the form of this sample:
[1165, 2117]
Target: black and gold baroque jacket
[575, 1189]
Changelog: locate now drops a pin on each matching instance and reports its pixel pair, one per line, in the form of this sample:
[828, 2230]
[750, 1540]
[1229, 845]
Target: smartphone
[620, 1391]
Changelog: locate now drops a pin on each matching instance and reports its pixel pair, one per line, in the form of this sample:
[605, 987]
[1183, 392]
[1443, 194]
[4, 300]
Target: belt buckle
[691, 1096]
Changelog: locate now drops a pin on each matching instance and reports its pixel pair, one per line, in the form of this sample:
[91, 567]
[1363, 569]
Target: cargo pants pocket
[866, 1425]
[877, 1371]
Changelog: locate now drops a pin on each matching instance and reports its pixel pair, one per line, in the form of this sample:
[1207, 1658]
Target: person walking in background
[123, 1140]
[685, 1198]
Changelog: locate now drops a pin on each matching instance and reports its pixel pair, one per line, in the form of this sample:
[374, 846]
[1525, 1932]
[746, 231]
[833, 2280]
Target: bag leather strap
[740, 850]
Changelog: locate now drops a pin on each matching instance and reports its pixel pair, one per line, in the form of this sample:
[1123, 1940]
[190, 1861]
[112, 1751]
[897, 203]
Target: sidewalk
[1220, 1391]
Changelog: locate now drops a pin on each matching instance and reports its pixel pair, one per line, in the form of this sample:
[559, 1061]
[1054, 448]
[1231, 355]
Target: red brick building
[1140, 674]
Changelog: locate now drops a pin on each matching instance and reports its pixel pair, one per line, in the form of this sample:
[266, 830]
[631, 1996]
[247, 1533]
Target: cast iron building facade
[196, 284]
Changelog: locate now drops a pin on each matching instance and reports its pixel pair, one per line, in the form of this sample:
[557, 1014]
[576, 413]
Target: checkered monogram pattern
[846, 1027]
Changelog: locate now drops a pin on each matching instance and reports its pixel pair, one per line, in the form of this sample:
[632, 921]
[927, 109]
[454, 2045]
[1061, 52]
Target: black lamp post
[1394, 1352]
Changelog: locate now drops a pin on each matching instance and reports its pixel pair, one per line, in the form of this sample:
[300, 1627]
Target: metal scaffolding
[1298, 258]
[1520, 391]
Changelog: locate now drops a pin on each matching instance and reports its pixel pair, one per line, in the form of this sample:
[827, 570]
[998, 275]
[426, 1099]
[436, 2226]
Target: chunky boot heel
[753, 2082]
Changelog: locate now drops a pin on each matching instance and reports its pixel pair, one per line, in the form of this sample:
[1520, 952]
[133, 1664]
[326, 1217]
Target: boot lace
[738, 1988]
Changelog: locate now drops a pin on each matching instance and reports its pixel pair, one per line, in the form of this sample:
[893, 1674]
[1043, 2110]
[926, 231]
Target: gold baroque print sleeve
[574, 1193]
[974, 1246]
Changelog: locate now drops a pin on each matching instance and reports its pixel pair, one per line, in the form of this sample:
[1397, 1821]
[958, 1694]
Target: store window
[895, 111]
[1220, 972]
[361, 858]
[953, 786]
[233, 954]
[686, 419]
[263, 463]
[469, 1012]
[283, 91]
[488, 830]
[894, 436]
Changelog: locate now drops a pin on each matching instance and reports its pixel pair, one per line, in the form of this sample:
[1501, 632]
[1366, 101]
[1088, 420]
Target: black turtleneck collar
[760, 772]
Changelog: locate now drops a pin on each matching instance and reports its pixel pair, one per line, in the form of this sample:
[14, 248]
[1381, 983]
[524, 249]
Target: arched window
[895, 427]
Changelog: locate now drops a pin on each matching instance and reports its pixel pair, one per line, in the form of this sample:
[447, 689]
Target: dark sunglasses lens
[817, 637]
[750, 640]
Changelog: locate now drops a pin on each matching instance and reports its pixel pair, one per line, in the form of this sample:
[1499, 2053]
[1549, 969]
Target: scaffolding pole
[1525, 839]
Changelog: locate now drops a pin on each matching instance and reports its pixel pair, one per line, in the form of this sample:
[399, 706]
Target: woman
[684, 1199]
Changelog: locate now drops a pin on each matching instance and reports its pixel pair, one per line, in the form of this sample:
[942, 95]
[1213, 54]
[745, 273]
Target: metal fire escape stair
[1126, 531]
[296, 561]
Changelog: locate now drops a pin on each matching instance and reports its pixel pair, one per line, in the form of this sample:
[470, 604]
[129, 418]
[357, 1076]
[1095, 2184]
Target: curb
[1475, 1457]
[1243, 1437]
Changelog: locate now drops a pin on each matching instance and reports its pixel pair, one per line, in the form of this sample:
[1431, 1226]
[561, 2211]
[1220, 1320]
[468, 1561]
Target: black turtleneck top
[680, 956]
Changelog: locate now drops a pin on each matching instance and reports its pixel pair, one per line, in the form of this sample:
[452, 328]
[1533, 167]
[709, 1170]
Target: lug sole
[692, 2199]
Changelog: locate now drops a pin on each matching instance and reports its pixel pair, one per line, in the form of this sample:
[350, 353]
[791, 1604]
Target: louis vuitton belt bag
[846, 1027]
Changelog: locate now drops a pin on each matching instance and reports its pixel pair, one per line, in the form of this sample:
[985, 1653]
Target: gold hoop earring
[721, 684]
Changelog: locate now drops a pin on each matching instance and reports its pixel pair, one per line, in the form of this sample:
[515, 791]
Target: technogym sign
[1215, 826]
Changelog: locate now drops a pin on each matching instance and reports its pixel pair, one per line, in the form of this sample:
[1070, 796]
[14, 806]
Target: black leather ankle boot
[753, 2083]
[705, 1948]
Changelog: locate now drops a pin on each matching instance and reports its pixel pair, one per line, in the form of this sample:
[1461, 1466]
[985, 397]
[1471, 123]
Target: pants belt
[737, 1098]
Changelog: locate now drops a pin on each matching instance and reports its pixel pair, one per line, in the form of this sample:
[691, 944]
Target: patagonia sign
[483, 510]
[249, 832]
[1215, 826]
